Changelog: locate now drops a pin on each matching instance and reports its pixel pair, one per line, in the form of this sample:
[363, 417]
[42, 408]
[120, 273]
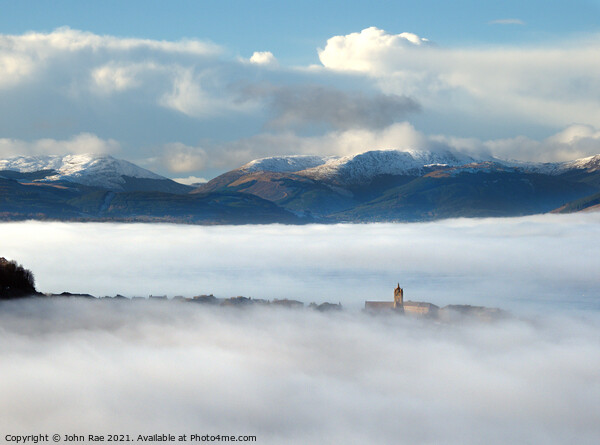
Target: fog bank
[538, 262]
[297, 377]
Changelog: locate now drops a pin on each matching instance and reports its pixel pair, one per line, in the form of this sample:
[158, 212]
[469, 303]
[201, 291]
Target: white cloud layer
[295, 377]
[300, 377]
[190, 180]
[573, 142]
[512, 263]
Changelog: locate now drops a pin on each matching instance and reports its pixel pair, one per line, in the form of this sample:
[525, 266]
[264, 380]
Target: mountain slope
[479, 194]
[379, 185]
[100, 171]
[101, 188]
[383, 185]
[585, 204]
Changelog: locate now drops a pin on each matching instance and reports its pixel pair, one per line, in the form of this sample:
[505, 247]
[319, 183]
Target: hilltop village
[18, 282]
[429, 310]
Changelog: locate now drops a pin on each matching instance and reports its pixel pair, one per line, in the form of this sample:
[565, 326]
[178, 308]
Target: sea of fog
[512, 263]
[74, 366]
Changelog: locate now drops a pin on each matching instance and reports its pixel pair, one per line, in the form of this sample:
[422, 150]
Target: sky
[193, 89]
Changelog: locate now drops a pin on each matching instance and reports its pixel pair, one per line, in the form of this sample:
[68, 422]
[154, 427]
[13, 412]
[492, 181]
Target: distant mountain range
[379, 185]
[102, 188]
[411, 185]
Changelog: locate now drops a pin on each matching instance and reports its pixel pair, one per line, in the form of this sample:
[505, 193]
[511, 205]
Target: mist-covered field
[286, 376]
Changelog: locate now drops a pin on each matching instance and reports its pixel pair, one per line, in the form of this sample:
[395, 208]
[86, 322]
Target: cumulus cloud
[301, 105]
[70, 81]
[508, 83]
[79, 144]
[361, 51]
[263, 58]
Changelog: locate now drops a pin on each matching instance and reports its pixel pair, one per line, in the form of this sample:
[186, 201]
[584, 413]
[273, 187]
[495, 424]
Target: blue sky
[175, 87]
[293, 29]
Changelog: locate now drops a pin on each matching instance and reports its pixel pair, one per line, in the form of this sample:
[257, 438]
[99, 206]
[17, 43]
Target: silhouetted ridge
[15, 280]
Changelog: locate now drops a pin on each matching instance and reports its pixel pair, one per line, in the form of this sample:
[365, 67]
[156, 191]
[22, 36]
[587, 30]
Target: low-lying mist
[295, 376]
[105, 366]
[515, 263]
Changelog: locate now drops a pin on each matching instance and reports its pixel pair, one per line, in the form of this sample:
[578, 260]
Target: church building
[418, 308]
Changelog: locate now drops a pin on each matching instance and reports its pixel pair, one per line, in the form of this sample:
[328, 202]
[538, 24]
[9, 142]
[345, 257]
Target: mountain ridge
[352, 188]
[376, 185]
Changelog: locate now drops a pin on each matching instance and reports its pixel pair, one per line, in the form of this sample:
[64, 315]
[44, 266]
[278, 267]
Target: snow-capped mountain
[590, 164]
[362, 166]
[286, 164]
[410, 185]
[92, 170]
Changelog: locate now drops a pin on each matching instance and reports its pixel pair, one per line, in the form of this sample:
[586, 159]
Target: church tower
[398, 297]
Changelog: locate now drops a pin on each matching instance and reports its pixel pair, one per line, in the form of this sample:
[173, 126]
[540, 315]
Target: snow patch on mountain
[287, 164]
[364, 166]
[360, 166]
[87, 169]
[367, 165]
[591, 164]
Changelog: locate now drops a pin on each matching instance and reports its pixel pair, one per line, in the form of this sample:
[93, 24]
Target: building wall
[378, 305]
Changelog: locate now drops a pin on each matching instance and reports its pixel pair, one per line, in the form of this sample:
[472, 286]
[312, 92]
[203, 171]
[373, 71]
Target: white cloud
[362, 51]
[14, 68]
[68, 65]
[67, 39]
[114, 77]
[181, 158]
[190, 180]
[79, 144]
[574, 142]
[342, 142]
[22, 55]
[263, 58]
[543, 85]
